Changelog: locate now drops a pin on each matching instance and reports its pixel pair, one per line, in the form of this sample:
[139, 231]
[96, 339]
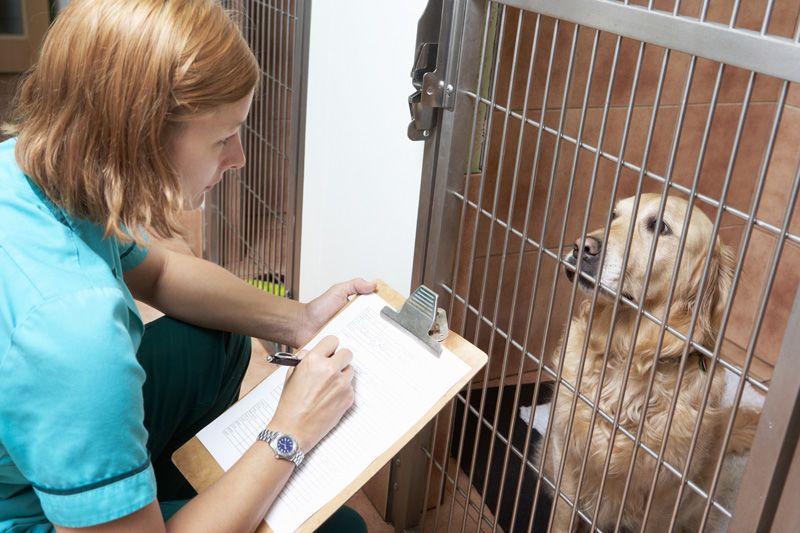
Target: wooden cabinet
[22, 26]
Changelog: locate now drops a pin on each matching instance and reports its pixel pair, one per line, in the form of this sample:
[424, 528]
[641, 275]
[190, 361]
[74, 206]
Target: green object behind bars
[268, 285]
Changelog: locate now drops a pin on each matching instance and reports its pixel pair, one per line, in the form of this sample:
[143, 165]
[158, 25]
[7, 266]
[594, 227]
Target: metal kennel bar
[561, 108]
[252, 220]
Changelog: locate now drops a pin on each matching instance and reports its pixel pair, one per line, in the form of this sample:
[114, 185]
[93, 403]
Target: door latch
[431, 93]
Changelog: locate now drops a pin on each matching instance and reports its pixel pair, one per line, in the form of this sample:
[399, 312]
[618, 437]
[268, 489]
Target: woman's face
[205, 146]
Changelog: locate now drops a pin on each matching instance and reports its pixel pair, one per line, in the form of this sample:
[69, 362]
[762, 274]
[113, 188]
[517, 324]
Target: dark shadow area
[495, 462]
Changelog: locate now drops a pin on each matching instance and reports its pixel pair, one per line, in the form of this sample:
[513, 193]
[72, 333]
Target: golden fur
[645, 353]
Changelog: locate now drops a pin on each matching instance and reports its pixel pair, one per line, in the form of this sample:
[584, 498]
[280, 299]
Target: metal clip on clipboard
[422, 318]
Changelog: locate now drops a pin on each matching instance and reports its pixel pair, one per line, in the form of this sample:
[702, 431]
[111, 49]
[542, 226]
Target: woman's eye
[664, 229]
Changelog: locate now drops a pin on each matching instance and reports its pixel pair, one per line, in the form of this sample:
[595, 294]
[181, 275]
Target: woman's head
[116, 81]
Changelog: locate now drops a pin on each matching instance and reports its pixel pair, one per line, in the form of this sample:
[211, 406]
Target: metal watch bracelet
[269, 436]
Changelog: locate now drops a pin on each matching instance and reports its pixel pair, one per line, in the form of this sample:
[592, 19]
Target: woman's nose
[235, 157]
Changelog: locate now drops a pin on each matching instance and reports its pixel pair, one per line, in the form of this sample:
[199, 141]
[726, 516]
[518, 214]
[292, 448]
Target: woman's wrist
[304, 442]
[302, 333]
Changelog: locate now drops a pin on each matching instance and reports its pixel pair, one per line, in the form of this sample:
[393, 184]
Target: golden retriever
[646, 352]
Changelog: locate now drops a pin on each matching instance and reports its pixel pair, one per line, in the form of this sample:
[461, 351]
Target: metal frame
[253, 219]
[444, 202]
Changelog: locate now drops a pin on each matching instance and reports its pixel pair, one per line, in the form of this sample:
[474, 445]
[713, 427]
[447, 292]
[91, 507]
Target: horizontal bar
[452, 481]
[790, 237]
[700, 492]
[630, 303]
[269, 5]
[279, 83]
[238, 236]
[260, 137]
[770, 55]
[461, 491]
[275, 215]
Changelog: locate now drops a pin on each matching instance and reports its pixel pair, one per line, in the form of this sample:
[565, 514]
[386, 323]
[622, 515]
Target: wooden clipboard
[201, 470]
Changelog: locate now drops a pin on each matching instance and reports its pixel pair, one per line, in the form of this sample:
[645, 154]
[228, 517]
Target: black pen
[283, 359]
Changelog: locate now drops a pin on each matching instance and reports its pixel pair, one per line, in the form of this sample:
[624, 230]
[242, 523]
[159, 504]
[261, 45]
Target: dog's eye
[663, 228]
[614, 215]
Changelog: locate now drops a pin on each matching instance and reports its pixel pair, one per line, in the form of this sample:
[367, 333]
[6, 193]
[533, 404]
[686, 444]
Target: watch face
[285, 445]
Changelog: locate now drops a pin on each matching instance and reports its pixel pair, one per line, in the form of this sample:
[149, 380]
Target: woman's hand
[321, 309]
[316, 395]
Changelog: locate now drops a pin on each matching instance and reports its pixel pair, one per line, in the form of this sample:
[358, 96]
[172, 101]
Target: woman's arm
[202, 293]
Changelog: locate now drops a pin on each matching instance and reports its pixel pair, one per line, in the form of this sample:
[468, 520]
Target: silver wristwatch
[285, 446]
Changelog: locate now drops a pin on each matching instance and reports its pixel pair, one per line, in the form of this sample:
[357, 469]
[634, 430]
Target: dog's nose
[591, 246]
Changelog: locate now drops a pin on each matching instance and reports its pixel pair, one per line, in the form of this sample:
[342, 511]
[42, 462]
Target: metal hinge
[428, 76]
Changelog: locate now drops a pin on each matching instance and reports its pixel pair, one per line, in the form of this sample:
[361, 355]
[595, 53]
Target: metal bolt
[449, 89]
[429, 91]
[426, 133]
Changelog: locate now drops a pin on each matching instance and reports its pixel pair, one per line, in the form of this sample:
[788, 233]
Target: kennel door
[556, 110]
[252, 219]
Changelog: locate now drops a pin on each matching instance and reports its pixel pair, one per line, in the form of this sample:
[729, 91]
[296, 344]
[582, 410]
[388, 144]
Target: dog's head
[688, 287]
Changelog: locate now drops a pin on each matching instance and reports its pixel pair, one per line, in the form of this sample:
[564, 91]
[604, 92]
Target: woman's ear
[716, 293]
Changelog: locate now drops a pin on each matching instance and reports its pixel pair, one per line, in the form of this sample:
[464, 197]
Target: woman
[131, 114]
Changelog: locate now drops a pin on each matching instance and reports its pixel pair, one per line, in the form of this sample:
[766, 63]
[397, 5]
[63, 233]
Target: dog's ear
[716, 292]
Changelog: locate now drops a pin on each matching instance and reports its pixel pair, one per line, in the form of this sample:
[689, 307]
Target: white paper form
[397, 380]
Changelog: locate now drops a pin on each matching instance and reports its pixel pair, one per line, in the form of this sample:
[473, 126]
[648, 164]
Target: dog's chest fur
[629, 415]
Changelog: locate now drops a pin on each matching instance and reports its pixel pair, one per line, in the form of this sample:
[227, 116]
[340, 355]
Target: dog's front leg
[744, 430]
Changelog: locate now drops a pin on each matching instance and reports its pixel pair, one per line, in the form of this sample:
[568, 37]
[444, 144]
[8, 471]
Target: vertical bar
[520, 256]
[281, 146]
[484, 12]
[715, 233]
[284, 149]
[740, 260]
[540, 362]
[559, 136]
[252, 170]
[618, 291]
[648, 270]
[596, 291]
[776, 439]
[533, 179]
[274, 17]
[262, 176]
[473, 247]
[299, 78]
[488, 256]
[767, 16]
[565, 218]
[734, 14]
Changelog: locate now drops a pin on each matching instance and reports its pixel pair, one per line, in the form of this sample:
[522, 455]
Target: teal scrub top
[72, 438]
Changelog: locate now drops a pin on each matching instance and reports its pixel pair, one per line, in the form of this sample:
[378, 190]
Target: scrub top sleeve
[131, 254]
[72, 409]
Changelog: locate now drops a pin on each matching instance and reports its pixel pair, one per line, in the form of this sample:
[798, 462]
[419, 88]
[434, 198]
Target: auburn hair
[92, 115]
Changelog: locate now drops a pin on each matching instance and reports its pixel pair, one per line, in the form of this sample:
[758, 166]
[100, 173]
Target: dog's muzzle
[590, 248]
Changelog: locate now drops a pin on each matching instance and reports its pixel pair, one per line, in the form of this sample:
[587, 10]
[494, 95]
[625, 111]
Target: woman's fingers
[348, 372]
[325, 348]
[359, 286]
[343, 357]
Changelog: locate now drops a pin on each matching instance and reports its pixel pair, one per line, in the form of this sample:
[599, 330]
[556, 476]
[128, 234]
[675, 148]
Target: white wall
[362, 174]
